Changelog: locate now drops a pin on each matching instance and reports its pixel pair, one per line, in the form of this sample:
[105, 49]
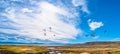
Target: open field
[18, 49]
[89, 48]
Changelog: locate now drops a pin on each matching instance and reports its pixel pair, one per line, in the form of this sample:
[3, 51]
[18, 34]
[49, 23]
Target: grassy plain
[89, 48]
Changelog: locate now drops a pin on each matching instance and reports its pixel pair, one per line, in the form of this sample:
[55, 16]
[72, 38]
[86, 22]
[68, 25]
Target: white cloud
[24, 10]
[94, 25]
[43, 15]
[115, 39]
[82, 3]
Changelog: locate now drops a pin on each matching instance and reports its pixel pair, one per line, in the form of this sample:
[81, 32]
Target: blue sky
[59, 21]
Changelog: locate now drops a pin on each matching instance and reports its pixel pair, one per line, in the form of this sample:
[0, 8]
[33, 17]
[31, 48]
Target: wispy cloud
[115, 39]
[94, 25]
[82, 3]
[24, 10]
[42, 20]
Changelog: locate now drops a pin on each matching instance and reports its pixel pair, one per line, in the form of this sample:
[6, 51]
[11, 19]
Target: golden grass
[24, 48]
[68, 50]
[92, 50]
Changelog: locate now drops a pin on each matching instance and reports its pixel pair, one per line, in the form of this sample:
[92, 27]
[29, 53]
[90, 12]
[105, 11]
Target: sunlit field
[88, 48]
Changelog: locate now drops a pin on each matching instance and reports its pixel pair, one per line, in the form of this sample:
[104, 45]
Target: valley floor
[26, 49]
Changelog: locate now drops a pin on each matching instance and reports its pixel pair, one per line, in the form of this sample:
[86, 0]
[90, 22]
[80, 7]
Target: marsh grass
[26, 49]
[22, 49]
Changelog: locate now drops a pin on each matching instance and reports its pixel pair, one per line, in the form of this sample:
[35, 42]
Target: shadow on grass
[7, 52]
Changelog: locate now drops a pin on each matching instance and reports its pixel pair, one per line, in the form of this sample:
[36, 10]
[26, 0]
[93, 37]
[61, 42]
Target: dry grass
[67, 49]
[24, 48]
[78, 50]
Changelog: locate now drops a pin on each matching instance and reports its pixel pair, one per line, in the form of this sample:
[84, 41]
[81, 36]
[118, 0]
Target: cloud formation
[42, 20]
[82, 3]
[94, 25]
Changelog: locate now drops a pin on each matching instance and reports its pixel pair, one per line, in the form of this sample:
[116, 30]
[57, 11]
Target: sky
[59, 21]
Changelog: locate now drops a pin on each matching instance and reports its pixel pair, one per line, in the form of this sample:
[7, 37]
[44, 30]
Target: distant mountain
[38, 44]
[17, 43]
[87, 44]
[103, 42]
[99, 44]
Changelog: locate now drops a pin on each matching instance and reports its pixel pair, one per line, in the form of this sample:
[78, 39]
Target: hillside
[98, 44]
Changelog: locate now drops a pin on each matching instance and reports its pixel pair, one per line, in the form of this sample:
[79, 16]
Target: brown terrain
[86, 48]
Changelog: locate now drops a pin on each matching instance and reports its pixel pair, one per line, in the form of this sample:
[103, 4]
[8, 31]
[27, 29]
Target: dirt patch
[85, 53]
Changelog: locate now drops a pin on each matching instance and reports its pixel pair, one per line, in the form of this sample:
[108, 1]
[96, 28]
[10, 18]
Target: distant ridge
[87, 44]
[101, 44]
[17, 43]
[37, 44]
